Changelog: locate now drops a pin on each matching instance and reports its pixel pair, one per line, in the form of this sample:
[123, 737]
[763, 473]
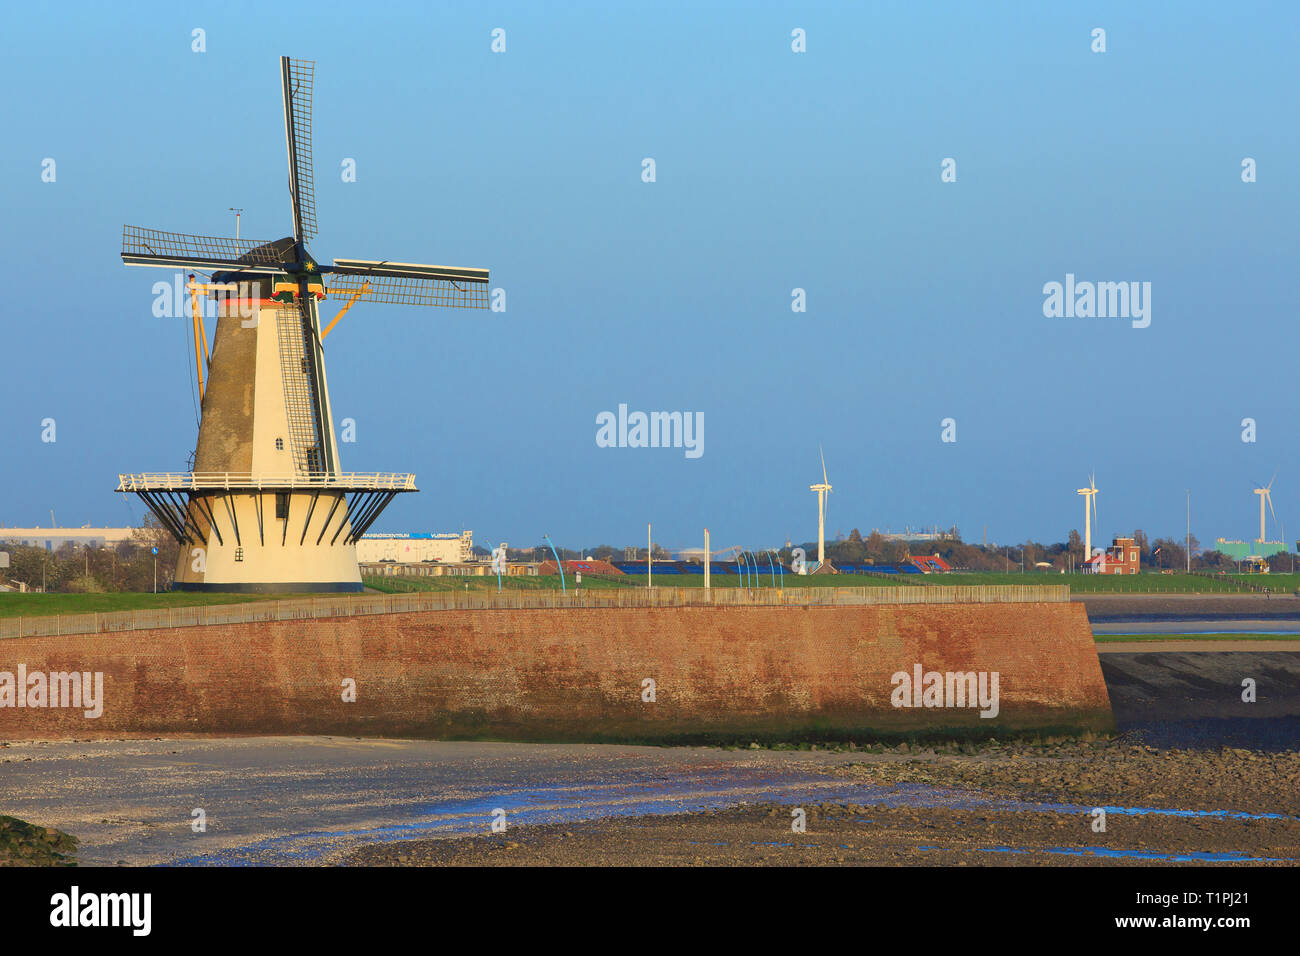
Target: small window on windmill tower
[281, 505]
[279, 444]
[239, 554]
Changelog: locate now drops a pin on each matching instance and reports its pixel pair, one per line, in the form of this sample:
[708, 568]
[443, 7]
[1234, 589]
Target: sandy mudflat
[1006, 806]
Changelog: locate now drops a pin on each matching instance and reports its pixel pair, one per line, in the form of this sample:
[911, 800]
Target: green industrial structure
[1240, 550]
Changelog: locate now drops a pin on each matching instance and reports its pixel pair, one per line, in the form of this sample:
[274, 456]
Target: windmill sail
[404, 283]
[296, 78]
[309, 433]
[446, 293]
[154, 247]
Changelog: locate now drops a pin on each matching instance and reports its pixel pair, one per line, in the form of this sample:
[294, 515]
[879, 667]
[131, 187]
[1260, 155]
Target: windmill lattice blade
[296, 78]
[154, 247]
[294, 335]
[406, 270]
[406, 290]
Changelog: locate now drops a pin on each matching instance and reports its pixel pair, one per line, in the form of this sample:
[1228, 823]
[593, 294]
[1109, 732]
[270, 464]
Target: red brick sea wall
[577, 674]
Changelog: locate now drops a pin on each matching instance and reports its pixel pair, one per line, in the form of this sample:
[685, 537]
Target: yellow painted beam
[365, 287]
[199, 334]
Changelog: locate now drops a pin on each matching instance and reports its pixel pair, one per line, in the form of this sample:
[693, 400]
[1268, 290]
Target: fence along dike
[352, 605]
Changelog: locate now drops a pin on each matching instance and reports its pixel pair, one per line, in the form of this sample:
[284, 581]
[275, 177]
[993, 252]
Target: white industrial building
[51, 539]
[416, 547]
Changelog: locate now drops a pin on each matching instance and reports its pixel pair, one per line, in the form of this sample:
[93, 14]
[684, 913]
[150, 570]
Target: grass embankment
[1145, 583]
[24, 844]
[39, 605]
[401, 584]
[44, 605]
[1158, 638]
[1274, 582]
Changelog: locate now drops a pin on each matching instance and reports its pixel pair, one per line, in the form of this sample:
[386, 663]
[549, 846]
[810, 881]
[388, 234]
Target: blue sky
[775, 171]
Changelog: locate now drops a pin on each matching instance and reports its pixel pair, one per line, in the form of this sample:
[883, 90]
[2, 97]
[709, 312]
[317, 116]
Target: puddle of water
[1191, 856]
[466, 815]
[1270, 734]
[1194, 631]
[1279, 617]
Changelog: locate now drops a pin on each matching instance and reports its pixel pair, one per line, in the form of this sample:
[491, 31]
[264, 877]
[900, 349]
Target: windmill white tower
[822, 491]
[1265, 494]
[267, 506]
[1089, 515]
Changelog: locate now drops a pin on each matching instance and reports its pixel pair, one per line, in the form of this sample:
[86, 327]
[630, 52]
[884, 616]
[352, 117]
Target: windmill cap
[281, 251]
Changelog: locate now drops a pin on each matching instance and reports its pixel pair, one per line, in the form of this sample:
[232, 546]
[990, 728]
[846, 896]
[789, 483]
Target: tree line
[72, 568]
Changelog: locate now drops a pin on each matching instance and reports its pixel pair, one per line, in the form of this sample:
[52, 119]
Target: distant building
[1122, 557]
[436, 569]
[51, 539]
[1241, 550]
[416, 547]
[591, 566]
[934, 534]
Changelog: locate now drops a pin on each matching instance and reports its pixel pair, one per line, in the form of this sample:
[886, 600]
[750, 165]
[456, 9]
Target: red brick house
[1122, 557]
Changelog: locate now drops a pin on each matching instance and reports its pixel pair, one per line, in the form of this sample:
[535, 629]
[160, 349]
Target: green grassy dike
[1157, 638]
[24, 844]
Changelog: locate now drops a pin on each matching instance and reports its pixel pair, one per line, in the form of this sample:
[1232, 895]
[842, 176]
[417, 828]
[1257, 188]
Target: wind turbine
[1265, 494]
[822, 491]
[1089, 515]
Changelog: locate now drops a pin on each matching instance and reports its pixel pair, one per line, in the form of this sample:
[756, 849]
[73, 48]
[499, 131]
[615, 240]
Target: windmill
[1265, 494]
[266, 506]
[1089, 515]
[822, 491]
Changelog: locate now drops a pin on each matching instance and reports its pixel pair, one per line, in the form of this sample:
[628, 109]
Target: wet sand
[856, 836]
[1001, 806]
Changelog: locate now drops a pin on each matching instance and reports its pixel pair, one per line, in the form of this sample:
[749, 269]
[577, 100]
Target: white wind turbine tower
[822, 491]
[1265, 494]
[1089, 515]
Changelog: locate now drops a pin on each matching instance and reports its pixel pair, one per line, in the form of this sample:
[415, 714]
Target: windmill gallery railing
[353, 605]
[232, 481]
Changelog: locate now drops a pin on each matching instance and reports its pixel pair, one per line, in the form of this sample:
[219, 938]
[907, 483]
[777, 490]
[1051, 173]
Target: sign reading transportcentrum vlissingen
[413, 535]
